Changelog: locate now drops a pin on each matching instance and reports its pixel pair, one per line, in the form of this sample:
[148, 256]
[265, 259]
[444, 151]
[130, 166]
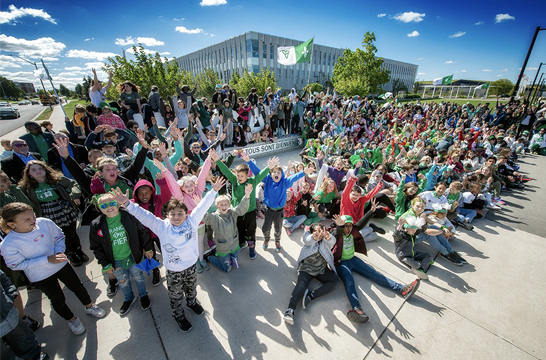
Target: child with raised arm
[178, 237]
[275, 186]
[224, 226]
[246, 224]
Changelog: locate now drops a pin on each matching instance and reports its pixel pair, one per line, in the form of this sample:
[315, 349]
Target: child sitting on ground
[292, 221]
[224, 226]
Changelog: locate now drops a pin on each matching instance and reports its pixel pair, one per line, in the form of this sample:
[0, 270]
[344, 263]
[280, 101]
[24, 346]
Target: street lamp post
[533, 86]
[36, 66]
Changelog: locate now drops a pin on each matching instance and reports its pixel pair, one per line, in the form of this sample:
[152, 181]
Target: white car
[24, 102]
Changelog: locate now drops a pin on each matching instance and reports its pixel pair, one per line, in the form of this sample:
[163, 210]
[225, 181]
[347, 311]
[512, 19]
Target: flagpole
[311, 60]
[54, 90]
[487, 92]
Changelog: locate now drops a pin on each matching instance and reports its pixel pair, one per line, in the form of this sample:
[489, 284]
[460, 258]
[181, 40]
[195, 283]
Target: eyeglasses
[20, 145]
[196, 147]
[106, 205]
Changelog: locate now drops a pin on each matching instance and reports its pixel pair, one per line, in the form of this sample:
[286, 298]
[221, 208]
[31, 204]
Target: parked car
[24, 102]
[35, 102]
[7, 112]
[4, 103]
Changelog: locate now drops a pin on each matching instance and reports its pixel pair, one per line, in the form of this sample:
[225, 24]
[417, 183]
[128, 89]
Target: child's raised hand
[196, 198]
[248, 190]
[119, 196]
[338, 220]
[309, 170]
[223, 137]
[163, 150]
[159, 176]
[129, 152]
[245, 156]
[213, 155]
[374, 204]
[160, 165]
[62, 147]
[220, 182]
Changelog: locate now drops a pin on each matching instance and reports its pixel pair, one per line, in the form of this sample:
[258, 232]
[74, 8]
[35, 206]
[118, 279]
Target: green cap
[348, 219]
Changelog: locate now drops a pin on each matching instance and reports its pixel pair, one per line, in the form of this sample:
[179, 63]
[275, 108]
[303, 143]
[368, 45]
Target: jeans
[51, 288]
[223, 262]
[272, 217]
[329, 280]
[439, 242]
[294, 222]
[20, 342]
[356, 264]
[125, 284]
[246, 225]
[466, 214]
[368, 234]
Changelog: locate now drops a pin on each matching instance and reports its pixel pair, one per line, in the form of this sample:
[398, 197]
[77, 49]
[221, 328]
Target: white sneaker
[76, 326]
[420, 273]
[95, 311]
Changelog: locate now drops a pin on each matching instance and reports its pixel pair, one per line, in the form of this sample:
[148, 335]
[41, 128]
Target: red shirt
[290, 206]
[356, 209]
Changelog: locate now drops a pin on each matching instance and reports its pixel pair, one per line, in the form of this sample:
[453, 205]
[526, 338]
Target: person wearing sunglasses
[119, 241]
[14, 164]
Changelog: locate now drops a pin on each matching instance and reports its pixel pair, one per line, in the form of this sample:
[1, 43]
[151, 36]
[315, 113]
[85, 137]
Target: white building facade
[254, 51]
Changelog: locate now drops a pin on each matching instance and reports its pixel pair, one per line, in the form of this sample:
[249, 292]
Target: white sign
[261, 149]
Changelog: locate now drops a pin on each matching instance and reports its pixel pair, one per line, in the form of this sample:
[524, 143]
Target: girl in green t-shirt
[57, 198]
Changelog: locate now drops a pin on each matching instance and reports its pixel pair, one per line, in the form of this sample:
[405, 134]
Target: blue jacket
[9, 316]
[275, 192]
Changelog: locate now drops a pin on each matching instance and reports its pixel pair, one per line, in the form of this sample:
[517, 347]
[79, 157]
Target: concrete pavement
[492, 307]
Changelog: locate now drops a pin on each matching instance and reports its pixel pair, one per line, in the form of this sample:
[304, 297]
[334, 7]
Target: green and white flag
[482, 86]
[291, 55]
[446, 80]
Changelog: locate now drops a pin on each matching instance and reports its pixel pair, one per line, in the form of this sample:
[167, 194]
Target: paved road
[28, 112]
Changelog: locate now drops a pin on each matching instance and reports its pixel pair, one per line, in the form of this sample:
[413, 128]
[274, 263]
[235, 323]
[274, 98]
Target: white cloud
[381, 15]
[212, 35]
[89, 39]
[479, 23]
[73, 68]
[421, 73]
[94, 65]
[414, 33]
[185, 30]
[531, 68]
[504, 70]
[420, 58]
[84, 54]
[500, 75]
[41, 47]
[124, 42]
[457, 34]
[487, 70]
[450, 62]
[148, 41]
[14, 13]
[502, 17]
[463, 70]
[179, 19]
[410, 16]
[146, 51]
[212, 2]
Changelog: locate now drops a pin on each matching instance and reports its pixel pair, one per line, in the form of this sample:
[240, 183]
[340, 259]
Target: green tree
[417, 87]
[235, 78]
[78, 90]
[360, 72]
[397, 86]
[64, 91]
[207, 83]
[9, 89]
[501, 87]
[261, 81]
[146, 70]
[85, 88]
[313, 87]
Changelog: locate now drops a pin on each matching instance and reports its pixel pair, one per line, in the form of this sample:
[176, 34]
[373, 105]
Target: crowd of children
[143, 190]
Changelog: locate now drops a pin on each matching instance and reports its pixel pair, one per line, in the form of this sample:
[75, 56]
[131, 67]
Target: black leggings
[51, 288]
[72, 240]
[246, 225]
[329, 280]
[384, 199]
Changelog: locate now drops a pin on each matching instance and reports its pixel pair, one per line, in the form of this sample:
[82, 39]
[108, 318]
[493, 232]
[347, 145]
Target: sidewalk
[489, 308]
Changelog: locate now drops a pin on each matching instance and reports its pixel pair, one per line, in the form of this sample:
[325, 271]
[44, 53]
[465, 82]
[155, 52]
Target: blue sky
[481, 40]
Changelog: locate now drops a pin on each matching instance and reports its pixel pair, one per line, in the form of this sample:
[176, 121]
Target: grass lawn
[68, 108]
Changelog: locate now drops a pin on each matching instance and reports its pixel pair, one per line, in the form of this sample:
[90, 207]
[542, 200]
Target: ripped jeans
[125, 283]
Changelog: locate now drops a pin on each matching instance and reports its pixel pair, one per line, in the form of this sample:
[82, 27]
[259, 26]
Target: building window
[252, 48]
[329, 57]
[271, 51]
[236, 53]
[255, 69]
[264, 48]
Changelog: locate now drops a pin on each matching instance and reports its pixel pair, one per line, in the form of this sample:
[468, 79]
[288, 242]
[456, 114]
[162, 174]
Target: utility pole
[36, 66]
[516, 87]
